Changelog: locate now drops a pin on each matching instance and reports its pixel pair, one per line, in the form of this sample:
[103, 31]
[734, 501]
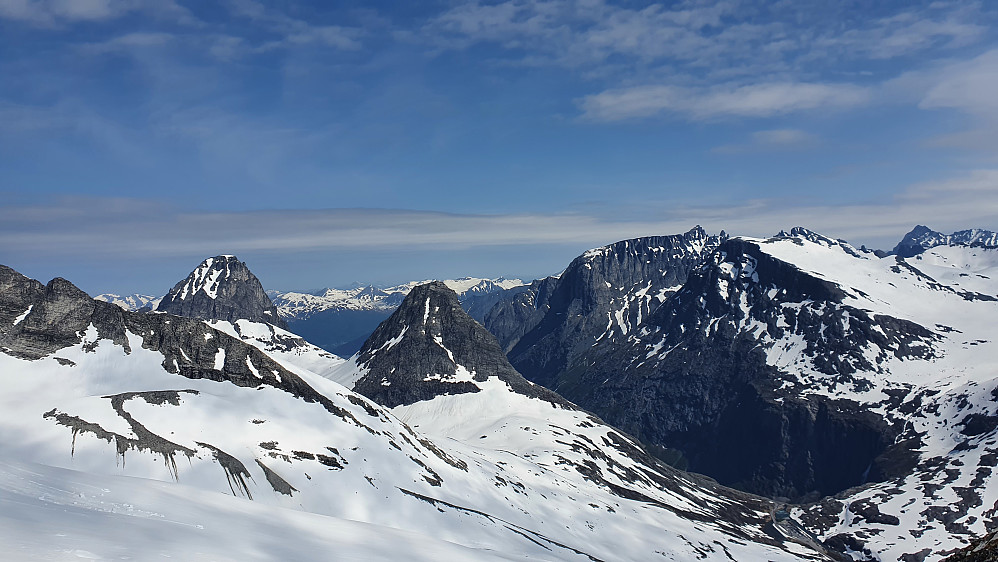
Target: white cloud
[128, 43]
[55, 12]
[755, 100]
[970, 86]
[773, 139]
[713, 33]
[125, 228]
[908, 32]
[293, 31]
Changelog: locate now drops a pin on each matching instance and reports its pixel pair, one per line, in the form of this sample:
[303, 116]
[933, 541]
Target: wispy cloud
[723, 32]
[969, 86]
[58, 12]
[294, 31]
[774, 139]
[756, 100]
[710, 59]
[130, 228]
[963, 86]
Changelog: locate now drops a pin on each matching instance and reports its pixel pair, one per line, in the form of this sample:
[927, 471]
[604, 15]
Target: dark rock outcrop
[430, 347]
[693, 382]
[984, 549]
[37, 321]
[602, 295]
[221, 288]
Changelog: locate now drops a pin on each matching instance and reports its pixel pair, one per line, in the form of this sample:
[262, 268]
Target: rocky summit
[429, 347]
[603, 294]
[922, 238]
[221, 288]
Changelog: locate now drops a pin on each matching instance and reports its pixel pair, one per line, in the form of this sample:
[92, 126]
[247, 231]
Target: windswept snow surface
[59, 514]
[73, 423]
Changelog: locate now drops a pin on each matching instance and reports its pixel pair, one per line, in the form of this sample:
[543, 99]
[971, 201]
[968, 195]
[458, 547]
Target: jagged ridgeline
[603, 294]
[93, 392]
[795, 366]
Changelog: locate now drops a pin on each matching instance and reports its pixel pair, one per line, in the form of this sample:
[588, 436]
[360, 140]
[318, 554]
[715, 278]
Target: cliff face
[221, 288]
[602, 295]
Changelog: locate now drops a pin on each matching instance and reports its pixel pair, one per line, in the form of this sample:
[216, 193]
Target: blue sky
[330, 142]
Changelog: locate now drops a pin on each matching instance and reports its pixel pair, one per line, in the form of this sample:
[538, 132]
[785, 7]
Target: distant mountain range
[452, 454]
[132, 302]
[339, 320]
[843, 403]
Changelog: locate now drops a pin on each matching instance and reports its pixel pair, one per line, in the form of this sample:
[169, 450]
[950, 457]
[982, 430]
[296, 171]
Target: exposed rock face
[221, 288]
[922, 238]
[984, 549]
[693, 379]
[713, 402]
[429, 347]
[38, 320]
[602, 295]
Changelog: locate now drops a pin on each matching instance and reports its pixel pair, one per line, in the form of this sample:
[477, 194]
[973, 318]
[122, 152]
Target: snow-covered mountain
[922, 238]
[445, 375]
[132, 302]
[235, 303]
[800, 366]
[92, 392]
[339, 320]
[301, 306]
[221, 288]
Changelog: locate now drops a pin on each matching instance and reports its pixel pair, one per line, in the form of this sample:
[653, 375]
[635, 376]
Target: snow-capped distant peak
[299, 305]
[133, 302]
[922, 238]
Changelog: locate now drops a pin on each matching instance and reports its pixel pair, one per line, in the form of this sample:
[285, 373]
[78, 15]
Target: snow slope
[193, 414]
[66, 514]
[912, 340]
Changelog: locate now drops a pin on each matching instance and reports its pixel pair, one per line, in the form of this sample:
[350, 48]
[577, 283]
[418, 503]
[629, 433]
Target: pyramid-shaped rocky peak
[430, 347]
[922, 238]
[221, 288]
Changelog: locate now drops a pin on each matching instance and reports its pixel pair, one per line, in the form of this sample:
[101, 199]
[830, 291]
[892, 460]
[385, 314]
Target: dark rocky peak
[17, 294]
[696, 378]
[604, 293]
[801, 232]
[519, 310]
[918, 240]
[630, 261]
[922, 238]
[37, 320]
[430, 347]
[221, 288]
